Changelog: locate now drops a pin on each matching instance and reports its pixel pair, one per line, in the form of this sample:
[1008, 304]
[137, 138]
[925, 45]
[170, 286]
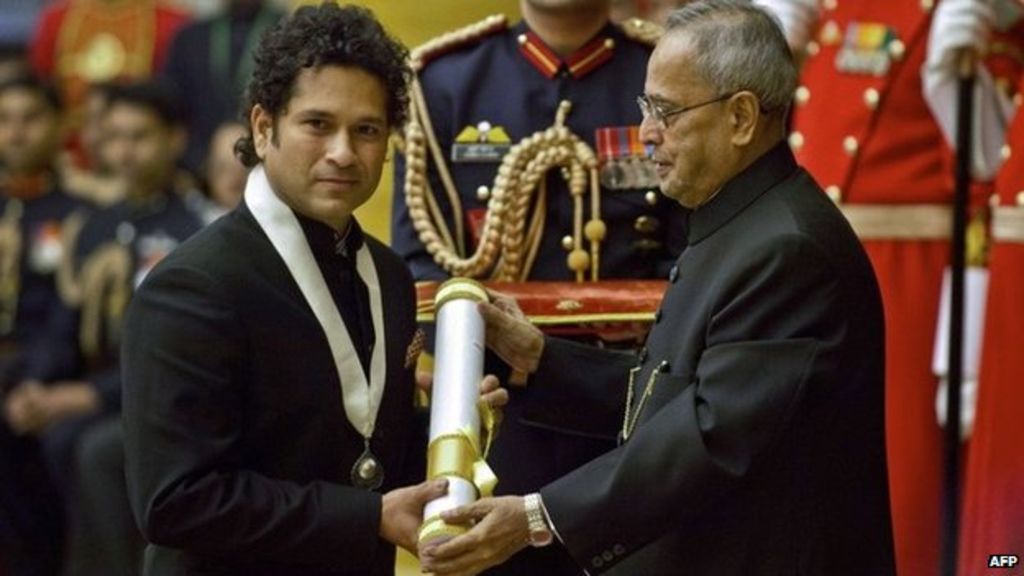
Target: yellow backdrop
[415, 22]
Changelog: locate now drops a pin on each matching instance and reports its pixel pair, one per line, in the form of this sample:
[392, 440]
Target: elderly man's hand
[500, 529]
[511, 336]
[491, 392]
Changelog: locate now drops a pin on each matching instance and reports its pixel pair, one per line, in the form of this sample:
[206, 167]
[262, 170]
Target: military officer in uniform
[210, 61]
[488, 86]
[483, 96]
[34, 212]
[113, 252]
[83, 42]
[118, 245]
[992, 511]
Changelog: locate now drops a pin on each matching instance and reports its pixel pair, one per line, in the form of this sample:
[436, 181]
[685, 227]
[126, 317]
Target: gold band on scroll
[455, 288]
[434, 528]
[451, 455]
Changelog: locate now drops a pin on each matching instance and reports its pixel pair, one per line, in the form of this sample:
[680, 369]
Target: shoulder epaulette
[642, 31]
[450, 41]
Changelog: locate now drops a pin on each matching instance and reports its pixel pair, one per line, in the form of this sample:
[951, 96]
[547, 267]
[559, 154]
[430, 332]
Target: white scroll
[457, 447]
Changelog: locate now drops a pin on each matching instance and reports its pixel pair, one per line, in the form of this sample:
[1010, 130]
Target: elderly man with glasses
[751, 432]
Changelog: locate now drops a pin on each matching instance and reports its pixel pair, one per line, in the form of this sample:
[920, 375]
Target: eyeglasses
[661, 113]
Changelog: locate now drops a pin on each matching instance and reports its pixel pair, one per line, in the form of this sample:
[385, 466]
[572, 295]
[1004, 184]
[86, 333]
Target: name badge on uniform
[151, 250]
[625, 163]
[868, 48]
[481, 143]
[46, 248]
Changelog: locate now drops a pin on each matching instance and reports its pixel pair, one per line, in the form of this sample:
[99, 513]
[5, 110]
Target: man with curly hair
[268, 401]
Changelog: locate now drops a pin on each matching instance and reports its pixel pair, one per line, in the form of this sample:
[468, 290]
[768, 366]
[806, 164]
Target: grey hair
[739, 46]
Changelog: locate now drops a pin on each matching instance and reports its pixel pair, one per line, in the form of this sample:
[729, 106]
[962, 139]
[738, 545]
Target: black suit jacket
[238, 448]
[760, 445]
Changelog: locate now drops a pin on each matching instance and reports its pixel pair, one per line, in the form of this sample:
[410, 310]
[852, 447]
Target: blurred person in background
[35, 212]
[77, 43]
[89, 175]
[115, 248]
[225, 174]
[862, 128]
[12, 62]
[992, 514]
[210, 62]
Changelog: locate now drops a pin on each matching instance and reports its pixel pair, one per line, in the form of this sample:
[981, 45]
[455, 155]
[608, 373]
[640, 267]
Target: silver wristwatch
[540, 532]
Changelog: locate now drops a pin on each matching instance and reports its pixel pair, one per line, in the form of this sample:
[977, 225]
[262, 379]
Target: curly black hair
[315, 36]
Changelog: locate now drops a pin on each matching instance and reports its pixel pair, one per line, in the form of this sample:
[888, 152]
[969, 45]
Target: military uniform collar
[590, 57]
[768, 170]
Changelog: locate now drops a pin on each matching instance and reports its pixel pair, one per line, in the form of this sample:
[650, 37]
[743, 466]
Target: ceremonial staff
[951, 496]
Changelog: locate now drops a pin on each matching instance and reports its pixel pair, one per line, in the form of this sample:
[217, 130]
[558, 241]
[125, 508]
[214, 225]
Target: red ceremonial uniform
[863, 130]
[992, 520]
[79, 42]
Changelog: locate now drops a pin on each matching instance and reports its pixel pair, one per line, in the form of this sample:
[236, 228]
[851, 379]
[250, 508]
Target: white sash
[282, 227]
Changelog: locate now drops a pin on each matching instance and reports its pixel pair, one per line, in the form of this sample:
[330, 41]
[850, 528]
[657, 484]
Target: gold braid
[68, 287]
[416, 162]
[508, 247]
[504, 239]
[420, 124]
[536, 230]
[105, 284]
[10, 260]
